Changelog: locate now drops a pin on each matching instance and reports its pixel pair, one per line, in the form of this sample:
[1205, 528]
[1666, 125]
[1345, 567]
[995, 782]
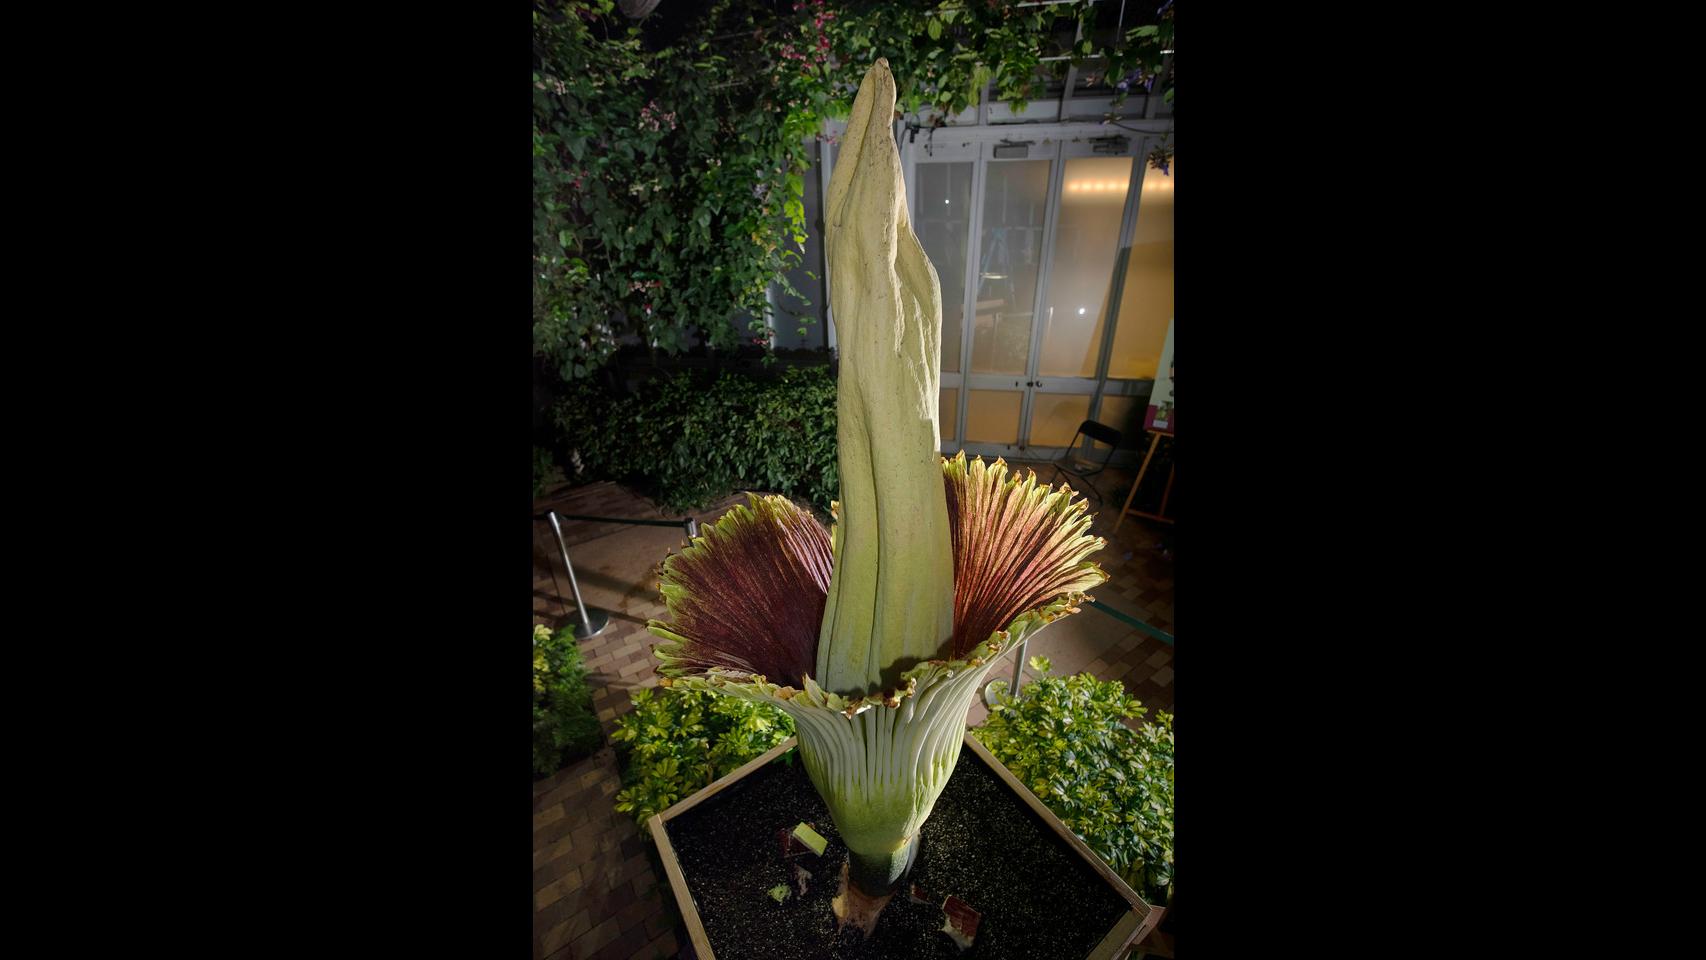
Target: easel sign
[1159, 416]
[1159, 421]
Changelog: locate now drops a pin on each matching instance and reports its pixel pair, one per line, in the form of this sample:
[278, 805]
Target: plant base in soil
[1038, 899]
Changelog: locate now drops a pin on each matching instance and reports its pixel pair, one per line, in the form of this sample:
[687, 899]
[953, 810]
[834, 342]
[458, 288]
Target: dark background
[374, 366]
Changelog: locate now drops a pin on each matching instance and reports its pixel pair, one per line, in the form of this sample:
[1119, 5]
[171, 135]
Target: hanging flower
[1161, 158]
[875, 636]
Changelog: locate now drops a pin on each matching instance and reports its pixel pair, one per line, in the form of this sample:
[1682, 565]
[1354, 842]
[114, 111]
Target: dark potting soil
[1038, 898]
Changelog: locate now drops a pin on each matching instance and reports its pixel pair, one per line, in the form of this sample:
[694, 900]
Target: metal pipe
[1018, 665]
[580, 605]
[692, 528]
[632, 521]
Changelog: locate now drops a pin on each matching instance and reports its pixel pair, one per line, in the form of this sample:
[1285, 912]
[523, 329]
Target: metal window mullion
[1152, 100]
[968, 314]
[1071, 74]
[1116, 289]
[1045, 268]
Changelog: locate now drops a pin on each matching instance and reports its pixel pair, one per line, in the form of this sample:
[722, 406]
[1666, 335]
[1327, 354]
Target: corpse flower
[875, 636]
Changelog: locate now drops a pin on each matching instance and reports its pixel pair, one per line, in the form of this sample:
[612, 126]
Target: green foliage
[546, 473]
[1138, 60]
[669, 156]
[677, 741]
[1110, 785]
[667, 179]
[565, 728]
[687, 440]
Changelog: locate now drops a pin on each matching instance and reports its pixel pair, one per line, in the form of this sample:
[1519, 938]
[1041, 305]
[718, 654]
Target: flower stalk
[892, 592]
[875, 637]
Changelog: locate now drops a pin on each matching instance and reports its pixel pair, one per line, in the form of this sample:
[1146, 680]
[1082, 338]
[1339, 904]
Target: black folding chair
[1069, 466]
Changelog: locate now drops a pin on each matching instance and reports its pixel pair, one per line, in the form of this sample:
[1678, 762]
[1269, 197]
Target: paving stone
[662, 947]
[589, 942]
[564, 933]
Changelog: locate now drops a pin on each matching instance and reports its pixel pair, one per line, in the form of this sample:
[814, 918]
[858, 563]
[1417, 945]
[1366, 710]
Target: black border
[380, 373]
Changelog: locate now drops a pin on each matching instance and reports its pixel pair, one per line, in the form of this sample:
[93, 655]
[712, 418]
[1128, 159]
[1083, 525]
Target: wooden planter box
[1131, 925]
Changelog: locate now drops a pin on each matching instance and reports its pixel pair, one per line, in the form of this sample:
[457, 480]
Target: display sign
[1159, 417]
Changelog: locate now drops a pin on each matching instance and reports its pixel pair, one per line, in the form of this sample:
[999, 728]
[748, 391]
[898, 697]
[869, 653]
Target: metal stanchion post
[1012, 685]
[593, 620]
[1018, 665]
[692, 528]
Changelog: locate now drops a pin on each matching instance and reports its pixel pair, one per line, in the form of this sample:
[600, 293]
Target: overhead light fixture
[1009, 150]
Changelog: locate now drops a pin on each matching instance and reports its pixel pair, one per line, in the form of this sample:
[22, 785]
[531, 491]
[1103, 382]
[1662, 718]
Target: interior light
[1081, 311]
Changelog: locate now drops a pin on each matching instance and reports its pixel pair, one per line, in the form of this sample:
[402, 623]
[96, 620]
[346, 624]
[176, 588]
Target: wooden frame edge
[712, 789]
[666, 852]
[1132, 927]
[1143, 909]
[678, 884]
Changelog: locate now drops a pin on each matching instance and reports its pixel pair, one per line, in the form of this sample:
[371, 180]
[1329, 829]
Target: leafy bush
[687, 440]
[1111, 786]
[546, 473]
[565, 728]
[669, 155]
[678, 740]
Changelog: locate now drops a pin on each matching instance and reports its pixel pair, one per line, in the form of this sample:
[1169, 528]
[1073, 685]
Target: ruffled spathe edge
[915, 682]
[748, 593]
[1017, 543]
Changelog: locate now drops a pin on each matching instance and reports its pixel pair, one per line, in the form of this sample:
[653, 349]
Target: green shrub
[678, 740]
[687, 440]
[1111, 786]
[565, 728]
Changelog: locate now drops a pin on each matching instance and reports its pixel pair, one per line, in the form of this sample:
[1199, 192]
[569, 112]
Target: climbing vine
[669, 154]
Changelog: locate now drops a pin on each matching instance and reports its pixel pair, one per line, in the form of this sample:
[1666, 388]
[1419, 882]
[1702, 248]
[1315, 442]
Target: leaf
[934, 28]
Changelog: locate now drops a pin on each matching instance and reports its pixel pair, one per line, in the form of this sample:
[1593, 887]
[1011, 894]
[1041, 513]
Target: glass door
[944, 181]
[1091, 206]
[1031, 248]
[1006, 285]
[1145, 303]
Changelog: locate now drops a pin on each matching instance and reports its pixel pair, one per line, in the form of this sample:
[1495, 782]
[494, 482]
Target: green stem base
[880, 875]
